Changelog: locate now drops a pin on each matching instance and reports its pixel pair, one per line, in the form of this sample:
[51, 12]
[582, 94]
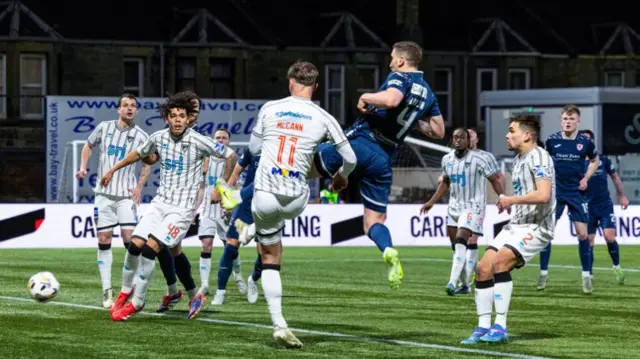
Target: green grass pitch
[337, 301]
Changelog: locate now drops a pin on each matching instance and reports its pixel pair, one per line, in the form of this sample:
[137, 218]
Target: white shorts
[271, 210]
[165, 223]
[525, 240]
[110, 211]
[212, 227]
[470, 219]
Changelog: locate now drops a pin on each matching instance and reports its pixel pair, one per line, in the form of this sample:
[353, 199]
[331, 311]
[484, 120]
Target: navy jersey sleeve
[609, 166]
[591, 150]
[397, 81]
[548, 147]
[245, 159]
[434, 108]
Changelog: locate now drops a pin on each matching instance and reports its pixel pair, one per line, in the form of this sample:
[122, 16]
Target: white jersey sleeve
[491, 166]
[149, 146]
[96, 136]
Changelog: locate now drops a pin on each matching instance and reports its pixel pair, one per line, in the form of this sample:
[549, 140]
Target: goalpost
[78, 191]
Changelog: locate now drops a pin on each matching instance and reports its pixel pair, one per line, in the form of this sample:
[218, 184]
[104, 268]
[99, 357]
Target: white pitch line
[307, 331]
[632, 270]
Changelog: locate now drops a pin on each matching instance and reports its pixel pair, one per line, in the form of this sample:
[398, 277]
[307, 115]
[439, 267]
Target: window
[186, 74]
[334, 91]
[134, 76]
[519, 79]
[443, 85]
[221, 78]
[614, 79]
[368, 78]
[3, 86]
[486, 80]
[33, 86]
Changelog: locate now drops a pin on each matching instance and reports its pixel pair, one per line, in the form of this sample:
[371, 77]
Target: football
[43, 286]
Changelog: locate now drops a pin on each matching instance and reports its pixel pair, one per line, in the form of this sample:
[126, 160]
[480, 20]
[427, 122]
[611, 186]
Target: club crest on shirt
[129, 139]
[185, 147]
[579, 146]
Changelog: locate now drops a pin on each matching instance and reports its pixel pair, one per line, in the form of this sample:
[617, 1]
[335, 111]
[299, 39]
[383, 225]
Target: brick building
[241, 49]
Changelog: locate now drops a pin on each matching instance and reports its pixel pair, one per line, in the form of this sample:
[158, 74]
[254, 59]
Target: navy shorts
[243, 213]
[577, 204]
[601, 215]
[373, 171]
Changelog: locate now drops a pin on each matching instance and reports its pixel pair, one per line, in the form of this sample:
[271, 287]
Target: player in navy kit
[404, 100]
[570, 150]
[601, 209]
[241, 219]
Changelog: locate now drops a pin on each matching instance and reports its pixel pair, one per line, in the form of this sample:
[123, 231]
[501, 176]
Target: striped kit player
[181, 153]
[286, 136]
[528, 232]
[115, 204]
[465, 175]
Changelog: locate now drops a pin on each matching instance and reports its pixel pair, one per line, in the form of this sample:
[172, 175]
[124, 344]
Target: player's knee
[234, 242]
[592, 239]
[207, 244]
[610, 235]
[484, 270]
[137, 241]
[105, 237]
[126, 235]
[581, 230]
[463, 233]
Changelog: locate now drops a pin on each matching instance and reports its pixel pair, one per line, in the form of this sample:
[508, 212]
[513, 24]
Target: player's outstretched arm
[497, 182]
[389, 98]
[136, 193]
[84, 159]
[594, 163]
[617, 182]
[432, 127]
[443, 188]
[541, 195]
[131, 158]
[235, 175]
[349, 161]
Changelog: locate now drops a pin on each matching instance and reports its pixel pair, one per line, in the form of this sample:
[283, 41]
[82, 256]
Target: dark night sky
[447, 25]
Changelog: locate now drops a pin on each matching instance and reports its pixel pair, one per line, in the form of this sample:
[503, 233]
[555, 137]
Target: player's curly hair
[181, 100]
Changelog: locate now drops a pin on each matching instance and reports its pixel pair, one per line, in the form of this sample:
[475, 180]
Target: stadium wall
[73, 226]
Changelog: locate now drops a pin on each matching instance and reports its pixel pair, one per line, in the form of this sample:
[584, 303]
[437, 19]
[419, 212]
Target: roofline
[169, 44]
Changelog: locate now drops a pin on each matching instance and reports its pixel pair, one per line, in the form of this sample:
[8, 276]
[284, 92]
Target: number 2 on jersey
[292, 140]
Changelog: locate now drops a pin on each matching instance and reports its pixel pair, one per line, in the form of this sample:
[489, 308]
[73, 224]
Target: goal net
[81, 191]
[416, 170]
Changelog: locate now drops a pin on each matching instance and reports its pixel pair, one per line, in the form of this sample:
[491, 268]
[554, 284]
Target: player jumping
[569, 150]
[529, 231]
[115, 204]
[404, 100]
[601, 209]
[465, 173]
[182, 152]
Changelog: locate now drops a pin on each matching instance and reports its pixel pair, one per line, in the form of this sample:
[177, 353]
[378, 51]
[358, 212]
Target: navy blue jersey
[389, 127]
[568, 159]
[250, 165]
[598, 190]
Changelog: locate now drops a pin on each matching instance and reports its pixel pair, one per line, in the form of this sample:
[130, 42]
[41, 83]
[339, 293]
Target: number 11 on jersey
[292, 140]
